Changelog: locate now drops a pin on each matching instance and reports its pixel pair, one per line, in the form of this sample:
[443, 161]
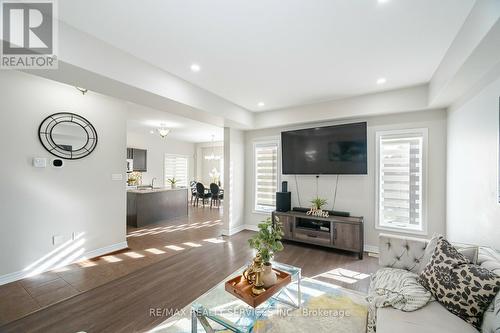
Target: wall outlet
[39, 162]
[76, 234]
[57, 239]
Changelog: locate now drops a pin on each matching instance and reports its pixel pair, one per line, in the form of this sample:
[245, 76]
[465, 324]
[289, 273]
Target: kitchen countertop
[155, 190]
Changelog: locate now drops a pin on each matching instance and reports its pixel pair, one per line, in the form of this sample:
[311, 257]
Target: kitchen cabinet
[140, 157]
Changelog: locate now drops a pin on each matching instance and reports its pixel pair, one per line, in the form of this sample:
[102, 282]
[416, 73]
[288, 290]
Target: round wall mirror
[67, 135]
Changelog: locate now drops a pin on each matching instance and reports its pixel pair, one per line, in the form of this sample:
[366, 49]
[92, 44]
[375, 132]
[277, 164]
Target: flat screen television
[331, 150]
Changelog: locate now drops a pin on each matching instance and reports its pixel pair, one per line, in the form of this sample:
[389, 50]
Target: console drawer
[312, 236]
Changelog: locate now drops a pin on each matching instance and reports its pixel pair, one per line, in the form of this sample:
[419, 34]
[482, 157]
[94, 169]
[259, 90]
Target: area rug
[325, 308]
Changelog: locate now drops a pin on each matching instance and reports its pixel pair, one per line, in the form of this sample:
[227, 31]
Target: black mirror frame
[45, 135]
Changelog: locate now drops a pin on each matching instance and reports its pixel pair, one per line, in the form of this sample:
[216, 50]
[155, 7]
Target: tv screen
[336, 150]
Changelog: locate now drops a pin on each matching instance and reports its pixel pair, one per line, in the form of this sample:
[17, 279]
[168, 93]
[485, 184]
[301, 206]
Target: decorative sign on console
[317, 204]
[317, 212]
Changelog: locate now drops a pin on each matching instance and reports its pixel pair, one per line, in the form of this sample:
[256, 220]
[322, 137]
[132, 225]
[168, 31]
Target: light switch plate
[116, 176]
[39, 162]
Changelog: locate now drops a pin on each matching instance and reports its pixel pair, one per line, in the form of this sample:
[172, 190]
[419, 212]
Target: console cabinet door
[287, 222]
[347, 236]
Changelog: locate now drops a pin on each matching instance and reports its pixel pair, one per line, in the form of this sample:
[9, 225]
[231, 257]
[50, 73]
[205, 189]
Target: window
[401, 180]
[266, 175]
[176, 166]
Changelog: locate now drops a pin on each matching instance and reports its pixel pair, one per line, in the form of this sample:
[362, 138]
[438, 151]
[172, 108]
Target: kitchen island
[147, 206]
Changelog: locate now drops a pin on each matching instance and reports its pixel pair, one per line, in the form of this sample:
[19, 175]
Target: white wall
[385, 102]
[473, 211]
[157, 147]
[234, 180]
[36, 204]
[356, 193]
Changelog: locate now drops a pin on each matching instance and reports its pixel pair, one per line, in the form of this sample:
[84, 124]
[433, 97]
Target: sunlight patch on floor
[155, 251]
[173, 228]
[214, 240]
[192, 244]
[87, 263]
[112, 259]
[61, 269]
[174, 247]
[133, 255]
[343, 275]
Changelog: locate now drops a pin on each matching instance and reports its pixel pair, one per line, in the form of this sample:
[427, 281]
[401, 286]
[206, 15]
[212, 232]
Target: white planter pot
[269, 276]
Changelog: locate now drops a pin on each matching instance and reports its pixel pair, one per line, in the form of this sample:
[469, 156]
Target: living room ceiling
[279, 53]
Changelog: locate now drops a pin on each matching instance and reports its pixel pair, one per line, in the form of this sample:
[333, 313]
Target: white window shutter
[266, 176]
[401, 180]
[176, 166]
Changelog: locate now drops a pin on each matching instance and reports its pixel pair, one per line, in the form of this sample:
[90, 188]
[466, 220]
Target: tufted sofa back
[402, 252]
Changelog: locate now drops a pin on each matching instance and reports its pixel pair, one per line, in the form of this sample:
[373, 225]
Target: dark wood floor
[145, 246]
[123, 304]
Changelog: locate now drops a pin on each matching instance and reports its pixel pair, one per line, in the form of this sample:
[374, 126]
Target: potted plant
[172, 182]
[318, 203]
[267, 242]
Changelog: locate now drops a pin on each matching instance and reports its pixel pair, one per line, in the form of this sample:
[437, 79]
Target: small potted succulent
[172, 182]
[318, 203]
[267, 242]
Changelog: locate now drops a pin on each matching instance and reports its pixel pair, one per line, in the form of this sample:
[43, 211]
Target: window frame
[424, 133]
[187, 157]
[255, 143]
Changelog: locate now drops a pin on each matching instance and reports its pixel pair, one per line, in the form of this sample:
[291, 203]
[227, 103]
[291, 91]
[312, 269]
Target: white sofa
[410, 254]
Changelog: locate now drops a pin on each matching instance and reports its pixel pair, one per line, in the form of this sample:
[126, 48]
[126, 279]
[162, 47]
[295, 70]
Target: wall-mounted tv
[334, 150]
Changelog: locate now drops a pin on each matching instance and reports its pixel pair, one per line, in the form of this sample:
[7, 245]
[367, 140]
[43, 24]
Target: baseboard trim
[371, 248]
[251, 227]
[15, 276]
[105, 250]
[230, 232]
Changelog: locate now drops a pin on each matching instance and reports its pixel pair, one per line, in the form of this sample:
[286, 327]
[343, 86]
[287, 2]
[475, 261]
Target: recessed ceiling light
[152, 132]
[382, 1]
[381, 80]
[195, 67]
[260, 104]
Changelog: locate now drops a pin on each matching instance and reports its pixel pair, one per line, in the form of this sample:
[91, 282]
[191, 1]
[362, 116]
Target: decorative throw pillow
[429, 251]
[463, 288]
[491, 318]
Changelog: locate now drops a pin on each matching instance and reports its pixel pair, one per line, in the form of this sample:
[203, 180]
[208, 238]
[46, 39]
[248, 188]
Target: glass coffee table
[218, 309]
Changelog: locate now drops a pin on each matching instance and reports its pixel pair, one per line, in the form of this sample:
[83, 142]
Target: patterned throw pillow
[463, 288]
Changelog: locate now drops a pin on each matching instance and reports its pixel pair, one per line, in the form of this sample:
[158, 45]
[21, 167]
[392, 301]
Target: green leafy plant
[172, 181]
[318, 202]
[267, 241]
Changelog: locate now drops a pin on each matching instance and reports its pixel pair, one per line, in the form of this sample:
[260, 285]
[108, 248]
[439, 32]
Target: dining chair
[201, 194]
[192, 186]
[215, 195]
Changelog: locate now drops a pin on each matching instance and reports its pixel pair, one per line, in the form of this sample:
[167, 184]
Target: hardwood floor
[123, 304]
[146, 246]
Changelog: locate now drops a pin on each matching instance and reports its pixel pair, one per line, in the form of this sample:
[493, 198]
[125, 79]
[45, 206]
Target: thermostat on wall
[57, 163]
